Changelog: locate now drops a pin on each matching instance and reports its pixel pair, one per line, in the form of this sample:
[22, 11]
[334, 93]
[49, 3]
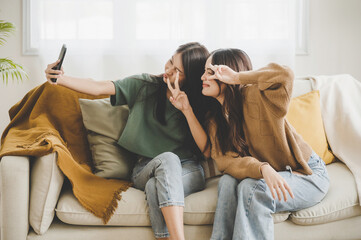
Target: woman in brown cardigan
[267, 166]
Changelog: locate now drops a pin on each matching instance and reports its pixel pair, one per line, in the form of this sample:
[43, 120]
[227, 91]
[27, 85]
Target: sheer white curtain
[111, 39]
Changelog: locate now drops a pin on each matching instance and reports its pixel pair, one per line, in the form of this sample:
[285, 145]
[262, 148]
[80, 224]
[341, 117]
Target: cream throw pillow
[105, 124]
[46, 183]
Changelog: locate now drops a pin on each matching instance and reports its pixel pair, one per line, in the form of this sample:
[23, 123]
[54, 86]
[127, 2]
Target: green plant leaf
[6, 28]
[8, 67]
[7, 77]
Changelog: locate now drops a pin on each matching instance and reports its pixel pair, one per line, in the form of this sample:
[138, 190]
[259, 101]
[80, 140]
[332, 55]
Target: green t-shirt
[143, 134]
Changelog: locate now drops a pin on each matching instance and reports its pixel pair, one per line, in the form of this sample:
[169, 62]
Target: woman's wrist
[236, 77]
[263, 166]
[60, 80]
[188, 112]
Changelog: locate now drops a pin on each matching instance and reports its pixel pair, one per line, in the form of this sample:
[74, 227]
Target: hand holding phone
[61, 58]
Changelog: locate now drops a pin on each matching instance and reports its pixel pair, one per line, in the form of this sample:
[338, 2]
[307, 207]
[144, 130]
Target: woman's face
[174, 65]
[210, 86]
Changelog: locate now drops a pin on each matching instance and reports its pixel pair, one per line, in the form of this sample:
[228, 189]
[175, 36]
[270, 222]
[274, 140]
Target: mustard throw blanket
[48, 119]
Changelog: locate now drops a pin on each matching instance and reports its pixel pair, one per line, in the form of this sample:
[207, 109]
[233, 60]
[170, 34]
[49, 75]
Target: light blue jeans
[244, 207]
[166, 180]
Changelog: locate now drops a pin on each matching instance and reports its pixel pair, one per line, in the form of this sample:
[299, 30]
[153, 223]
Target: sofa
[337, 216]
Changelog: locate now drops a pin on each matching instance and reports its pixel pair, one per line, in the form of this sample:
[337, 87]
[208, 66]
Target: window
[108, 24]
[117, 38]
[63, 20]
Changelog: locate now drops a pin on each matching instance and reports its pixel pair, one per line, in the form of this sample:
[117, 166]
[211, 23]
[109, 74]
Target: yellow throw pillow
[304, 114]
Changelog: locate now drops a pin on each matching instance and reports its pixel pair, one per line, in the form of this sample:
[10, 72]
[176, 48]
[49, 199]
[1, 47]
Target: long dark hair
[229, 134]
[194, 57]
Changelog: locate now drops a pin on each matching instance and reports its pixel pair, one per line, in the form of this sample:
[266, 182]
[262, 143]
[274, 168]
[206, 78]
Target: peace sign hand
[179, 98]
[224, 74]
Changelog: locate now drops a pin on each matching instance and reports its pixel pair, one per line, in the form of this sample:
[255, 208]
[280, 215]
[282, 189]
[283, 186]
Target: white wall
[334, 39]
[334, 47]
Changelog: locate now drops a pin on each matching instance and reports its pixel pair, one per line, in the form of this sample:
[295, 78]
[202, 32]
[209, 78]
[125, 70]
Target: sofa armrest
[15, 180]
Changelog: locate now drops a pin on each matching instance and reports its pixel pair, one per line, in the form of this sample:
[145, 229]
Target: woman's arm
[267, 76]
[198, 133]
[274, 81]
[248, 167]
[230, 162]
[83, 85]
[179, 100]
[87, 85]
[235, 165]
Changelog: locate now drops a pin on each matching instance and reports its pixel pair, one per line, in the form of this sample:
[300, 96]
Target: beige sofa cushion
[133, 210]
[200, 207]
[46, 183]
[340, 202]
[105, 124]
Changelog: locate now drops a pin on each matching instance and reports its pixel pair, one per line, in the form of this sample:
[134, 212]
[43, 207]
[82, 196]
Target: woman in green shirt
[167, 168]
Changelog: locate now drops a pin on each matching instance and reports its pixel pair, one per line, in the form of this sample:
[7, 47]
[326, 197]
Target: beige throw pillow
[46, 183]
[105, 124]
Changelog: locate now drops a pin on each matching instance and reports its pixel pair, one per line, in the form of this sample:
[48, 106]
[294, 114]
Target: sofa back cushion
[301, 86]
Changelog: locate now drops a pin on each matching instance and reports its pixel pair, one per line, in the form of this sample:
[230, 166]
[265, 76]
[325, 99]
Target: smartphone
[61, 57]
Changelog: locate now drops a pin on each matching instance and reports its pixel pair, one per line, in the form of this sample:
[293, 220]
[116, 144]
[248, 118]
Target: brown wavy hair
[229, 134]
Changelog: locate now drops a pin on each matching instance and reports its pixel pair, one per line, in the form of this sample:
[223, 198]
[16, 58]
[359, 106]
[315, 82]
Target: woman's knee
[150, 187]
[227, 182]
[169, 160]
[168, 155]
[249, 186]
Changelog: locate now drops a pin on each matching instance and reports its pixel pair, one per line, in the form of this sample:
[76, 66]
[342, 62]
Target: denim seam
[166, 178]
[250, 197]
[195, 170]
[205, 212]
[170, 203]
[161, 235]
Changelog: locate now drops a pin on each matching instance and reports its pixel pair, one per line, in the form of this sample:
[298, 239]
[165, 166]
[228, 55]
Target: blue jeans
[244, 207]
[166, 180]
